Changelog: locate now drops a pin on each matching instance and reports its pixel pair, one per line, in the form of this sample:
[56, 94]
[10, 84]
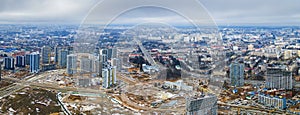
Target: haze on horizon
[224, 12]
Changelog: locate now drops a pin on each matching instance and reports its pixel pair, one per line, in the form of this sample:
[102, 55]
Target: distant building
[70, 50]
[103, 51]
[202, 105]
[278, 78]
[46, 67]
[71, 64]
[34, 62]
[96, 64]
[272, 101]
[9, 63]
[110, 53]
[272, 52]
[114, 53]
[178, 85]
[46, 51]
[84, 82]
[149, 69]
[116, 62]
[86, 65]
[20, 61]
[62, 58]
[237, 74]
[250, 47]
[288, 54]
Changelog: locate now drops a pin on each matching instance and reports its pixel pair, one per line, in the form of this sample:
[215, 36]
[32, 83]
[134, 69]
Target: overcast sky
[224, 12]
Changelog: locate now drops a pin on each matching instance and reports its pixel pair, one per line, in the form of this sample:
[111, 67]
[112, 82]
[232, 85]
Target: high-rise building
[102, 62]
[96, 67]
[62, 58]
[86, 65]
[71, 64]
[34, 62]
[20, 61]
[237, 74]
[106, 78]
[0, 71]
[56, 51]
[70, 50]
[279, 78]
[46, 54]
[27, 59]
[9, 63]
[110, 53]
[113, 71]
[103, 51]
[114, 53]
[203, 105]
[109, 76]
[116, 62]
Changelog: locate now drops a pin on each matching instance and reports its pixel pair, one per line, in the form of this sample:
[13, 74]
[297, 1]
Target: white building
[109, 76]
[34, 62]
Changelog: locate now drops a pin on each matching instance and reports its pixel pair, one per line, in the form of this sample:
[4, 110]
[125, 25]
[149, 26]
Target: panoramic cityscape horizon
[150, 57]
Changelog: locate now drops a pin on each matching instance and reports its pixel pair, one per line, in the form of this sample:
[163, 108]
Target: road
[20, 84]
[147, 55]
[250, 108]
[130, 81]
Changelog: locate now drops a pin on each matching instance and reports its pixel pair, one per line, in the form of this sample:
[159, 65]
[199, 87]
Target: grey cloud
[44, 10]
[223, 11]
[254, 11]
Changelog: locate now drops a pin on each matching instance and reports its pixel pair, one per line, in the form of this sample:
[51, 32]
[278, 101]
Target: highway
[145, 52]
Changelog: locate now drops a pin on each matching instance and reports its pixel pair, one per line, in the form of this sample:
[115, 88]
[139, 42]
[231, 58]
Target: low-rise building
[272, 101]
